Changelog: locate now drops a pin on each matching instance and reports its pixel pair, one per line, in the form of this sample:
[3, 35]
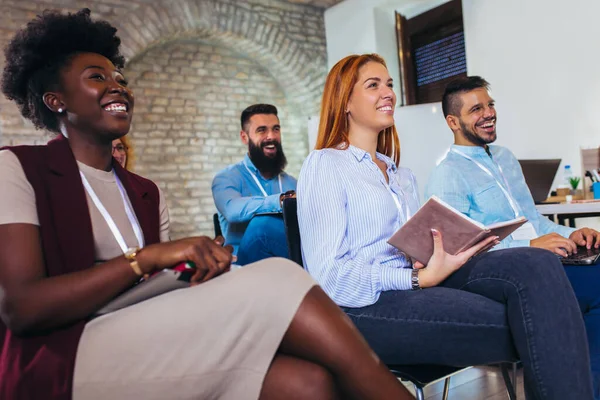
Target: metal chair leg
[510, 386]
[419, 392]
[446, 388]
[514, 376]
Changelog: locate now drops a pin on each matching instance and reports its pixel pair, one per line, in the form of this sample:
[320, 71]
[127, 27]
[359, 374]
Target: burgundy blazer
[41, 366]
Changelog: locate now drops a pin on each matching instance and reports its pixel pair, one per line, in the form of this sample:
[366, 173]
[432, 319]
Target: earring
[60, 110]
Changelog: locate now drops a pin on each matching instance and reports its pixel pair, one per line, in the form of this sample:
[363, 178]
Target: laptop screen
[539, 175]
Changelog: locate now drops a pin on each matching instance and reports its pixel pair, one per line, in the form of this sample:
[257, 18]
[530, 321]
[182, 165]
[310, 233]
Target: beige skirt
[212, 341]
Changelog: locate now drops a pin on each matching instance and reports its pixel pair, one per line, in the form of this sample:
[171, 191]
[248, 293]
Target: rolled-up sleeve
[227, 194]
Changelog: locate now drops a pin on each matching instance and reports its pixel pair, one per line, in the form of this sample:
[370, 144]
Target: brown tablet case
[459, 232]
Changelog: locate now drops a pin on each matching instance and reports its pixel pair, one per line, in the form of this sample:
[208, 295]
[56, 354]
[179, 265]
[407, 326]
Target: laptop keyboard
[583, 254]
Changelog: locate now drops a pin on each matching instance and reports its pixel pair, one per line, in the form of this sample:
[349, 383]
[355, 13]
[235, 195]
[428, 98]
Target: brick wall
[194, 66]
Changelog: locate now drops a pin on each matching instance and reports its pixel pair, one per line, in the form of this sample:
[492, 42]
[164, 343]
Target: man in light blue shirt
[248, 195]
[486, 183]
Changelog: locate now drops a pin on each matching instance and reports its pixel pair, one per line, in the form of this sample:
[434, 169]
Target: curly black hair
[36, 54]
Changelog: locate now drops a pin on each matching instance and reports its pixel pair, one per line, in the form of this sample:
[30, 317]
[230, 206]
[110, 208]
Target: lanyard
[401, 210]
[109, 221]
[259, 185]
[404, 211]
[510, 199]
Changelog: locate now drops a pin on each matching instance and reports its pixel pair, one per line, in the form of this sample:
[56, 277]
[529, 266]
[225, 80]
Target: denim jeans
[586, 285]
[500, 306]
[264, 237]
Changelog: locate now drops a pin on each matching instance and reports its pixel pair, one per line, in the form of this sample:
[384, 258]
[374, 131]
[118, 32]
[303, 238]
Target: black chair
[419, 375]
[217, 225]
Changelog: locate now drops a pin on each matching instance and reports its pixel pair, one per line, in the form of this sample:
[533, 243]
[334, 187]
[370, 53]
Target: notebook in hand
[159, 283]
[459, 232]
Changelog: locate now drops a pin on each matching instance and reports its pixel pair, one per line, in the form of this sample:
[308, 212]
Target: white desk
[570, 211]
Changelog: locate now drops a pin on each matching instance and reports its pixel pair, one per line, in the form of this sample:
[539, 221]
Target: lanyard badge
[109, 221]
[262, 189]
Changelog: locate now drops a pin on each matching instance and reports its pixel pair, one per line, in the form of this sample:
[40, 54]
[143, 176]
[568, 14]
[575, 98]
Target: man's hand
[586, 237]
[555, 243]
[290, 194]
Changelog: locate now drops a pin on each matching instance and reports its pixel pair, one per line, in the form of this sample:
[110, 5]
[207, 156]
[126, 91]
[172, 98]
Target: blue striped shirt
[346, 214]
[462, 184]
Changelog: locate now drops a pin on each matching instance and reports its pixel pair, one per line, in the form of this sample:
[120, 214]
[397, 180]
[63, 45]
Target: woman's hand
[209, 256]
[441, 264]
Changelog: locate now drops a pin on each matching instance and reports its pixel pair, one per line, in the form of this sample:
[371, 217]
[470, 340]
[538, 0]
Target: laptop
[583, 257]
[539, 175]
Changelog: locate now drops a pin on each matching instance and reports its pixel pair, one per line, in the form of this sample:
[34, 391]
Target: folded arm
[30, 302]
[227, 194]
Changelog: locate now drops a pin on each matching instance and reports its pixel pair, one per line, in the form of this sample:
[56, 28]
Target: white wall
[349, 28]
[541, 60]
[369, 26]
[424, 136]
[540, 57]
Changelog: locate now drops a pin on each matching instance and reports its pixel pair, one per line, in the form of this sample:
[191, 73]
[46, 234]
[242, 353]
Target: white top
[18, 205]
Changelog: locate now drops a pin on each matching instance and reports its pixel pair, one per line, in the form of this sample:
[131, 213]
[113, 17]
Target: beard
[269, 166]
[474, 138]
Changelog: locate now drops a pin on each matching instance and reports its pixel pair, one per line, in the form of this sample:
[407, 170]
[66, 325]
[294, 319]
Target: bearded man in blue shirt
[486, 183]
[249, 194]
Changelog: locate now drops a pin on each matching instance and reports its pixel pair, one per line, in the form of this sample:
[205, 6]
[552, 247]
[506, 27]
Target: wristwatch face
[131, 252]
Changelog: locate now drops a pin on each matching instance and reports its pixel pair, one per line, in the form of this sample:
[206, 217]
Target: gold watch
[131, 256]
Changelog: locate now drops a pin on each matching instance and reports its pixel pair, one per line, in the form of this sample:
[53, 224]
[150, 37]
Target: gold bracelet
[131, 256]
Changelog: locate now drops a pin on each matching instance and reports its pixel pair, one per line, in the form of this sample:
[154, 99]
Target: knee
[268, 225]
[314, 383]
[280, 272]
[280, 266]
[532, 266]
[543, 262]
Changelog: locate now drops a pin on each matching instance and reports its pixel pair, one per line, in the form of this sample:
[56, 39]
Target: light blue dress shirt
[238, 197]
[346, 213]
[466, 187]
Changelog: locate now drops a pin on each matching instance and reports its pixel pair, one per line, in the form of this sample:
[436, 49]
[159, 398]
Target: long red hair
[333, 125]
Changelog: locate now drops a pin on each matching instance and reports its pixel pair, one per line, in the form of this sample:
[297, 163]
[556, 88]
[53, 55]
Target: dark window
[431, 52]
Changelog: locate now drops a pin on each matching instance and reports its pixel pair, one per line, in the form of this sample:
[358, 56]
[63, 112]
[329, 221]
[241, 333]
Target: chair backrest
[292, 230]
[217, 225]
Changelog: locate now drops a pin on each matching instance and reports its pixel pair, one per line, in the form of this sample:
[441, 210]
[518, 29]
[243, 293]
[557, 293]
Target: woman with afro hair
[76, 230]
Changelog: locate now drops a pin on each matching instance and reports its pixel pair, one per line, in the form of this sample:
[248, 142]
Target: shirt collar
[248, 162]
[471, 150]
[361, 154]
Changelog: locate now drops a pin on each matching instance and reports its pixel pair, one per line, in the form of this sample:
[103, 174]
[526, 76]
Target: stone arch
[189, 94]
[300, 68]
[286, 40]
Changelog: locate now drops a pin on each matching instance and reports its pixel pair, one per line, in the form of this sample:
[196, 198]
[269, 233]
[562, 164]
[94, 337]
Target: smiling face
[262, 134]
[476, 124]
[94, 97]
[372, 102]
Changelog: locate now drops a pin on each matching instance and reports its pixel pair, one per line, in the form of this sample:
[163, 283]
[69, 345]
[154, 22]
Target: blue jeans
[500, 306]
[264, 237]
[586, 285]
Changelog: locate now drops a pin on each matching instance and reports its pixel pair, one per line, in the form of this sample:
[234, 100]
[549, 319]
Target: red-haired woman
[498, 306]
